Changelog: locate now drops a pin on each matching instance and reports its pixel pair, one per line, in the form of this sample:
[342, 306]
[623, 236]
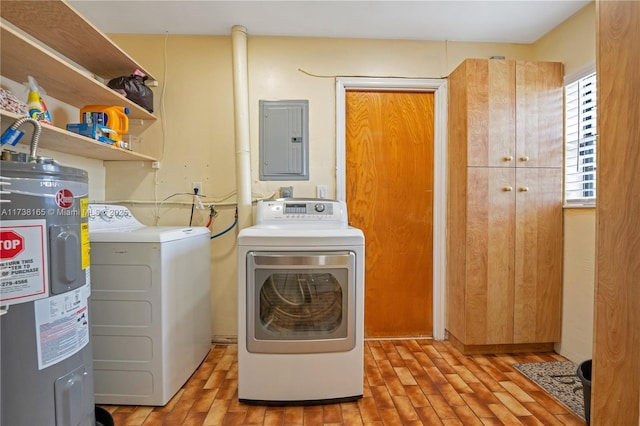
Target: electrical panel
[284, 140]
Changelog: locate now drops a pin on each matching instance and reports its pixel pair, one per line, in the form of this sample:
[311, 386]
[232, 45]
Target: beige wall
[194, 140]
[198, 123]
[579, 277]
[573, 43]
[194, 135]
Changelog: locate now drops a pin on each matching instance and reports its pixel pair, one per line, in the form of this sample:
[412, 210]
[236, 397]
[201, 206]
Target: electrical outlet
[198, 186]
[155, 165]
[286, 192]
[321, 191]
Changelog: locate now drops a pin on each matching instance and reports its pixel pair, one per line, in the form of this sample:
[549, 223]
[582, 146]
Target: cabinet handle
[508, 158]
[507, 189]
[525, 158]
[524, 189]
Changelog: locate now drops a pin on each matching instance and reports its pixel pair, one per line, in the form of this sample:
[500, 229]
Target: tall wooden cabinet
[504, 212]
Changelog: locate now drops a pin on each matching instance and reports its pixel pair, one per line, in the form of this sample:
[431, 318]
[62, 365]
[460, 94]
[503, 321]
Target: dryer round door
[300, 302]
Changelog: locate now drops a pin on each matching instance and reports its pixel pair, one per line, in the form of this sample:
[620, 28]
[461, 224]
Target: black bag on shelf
[134, 89]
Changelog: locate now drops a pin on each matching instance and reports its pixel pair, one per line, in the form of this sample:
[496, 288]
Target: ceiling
[516, 21]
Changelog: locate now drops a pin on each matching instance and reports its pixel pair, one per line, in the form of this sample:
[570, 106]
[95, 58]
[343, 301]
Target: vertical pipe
[241, 114]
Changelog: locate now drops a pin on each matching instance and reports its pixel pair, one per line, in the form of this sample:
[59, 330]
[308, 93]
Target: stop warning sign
[11, 244]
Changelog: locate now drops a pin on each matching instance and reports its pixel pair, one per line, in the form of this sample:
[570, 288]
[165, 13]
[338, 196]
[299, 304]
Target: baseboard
[224, 340]
[366, 339]
[500, 348]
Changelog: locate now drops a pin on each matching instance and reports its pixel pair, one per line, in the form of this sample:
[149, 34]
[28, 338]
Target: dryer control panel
[307, 210]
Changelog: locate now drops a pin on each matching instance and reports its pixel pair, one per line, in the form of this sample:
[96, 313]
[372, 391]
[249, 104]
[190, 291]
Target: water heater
[46, 373]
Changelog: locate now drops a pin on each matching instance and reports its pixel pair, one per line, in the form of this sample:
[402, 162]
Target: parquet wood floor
[407, 382]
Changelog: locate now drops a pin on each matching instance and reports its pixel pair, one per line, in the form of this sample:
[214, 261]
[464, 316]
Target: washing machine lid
[114, 223]
[147, 234]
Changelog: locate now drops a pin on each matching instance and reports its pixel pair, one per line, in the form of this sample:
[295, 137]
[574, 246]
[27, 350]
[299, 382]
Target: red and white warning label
[62, 325]
[23, 261]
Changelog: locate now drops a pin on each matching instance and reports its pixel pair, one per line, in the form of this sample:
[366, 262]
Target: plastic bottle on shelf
[116, 118]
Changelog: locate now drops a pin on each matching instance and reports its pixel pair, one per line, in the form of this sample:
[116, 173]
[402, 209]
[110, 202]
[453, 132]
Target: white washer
[301, 304]
[150, 306]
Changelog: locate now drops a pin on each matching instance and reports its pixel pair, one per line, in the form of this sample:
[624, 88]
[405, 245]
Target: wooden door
[389, 180]
[490, 258]
[538, 261]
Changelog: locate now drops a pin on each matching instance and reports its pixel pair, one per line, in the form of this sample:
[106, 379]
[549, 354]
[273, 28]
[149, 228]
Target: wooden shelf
[21, 57]
[42, 39]
[58, 25]
[60, 140]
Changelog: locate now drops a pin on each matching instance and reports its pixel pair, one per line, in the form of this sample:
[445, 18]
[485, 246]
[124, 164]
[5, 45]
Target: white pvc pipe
[241, 110]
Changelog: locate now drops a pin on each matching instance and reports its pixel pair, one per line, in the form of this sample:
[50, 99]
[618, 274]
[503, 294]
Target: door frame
[439, 88]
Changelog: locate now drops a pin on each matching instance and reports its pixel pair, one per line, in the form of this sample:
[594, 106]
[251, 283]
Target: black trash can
[584, 373]
[103, 417]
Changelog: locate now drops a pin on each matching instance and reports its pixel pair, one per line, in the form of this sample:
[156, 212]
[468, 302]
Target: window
[580, 141]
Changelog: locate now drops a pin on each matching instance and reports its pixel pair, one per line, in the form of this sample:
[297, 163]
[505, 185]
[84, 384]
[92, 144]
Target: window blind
[580, 141]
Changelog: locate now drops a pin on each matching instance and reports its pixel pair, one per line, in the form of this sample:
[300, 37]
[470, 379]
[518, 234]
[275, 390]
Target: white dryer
[301, 304]
[150, 306]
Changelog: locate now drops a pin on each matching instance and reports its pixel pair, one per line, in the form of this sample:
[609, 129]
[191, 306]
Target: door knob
[507, 189]
[524, 158]
[508, 158]
[524, 189]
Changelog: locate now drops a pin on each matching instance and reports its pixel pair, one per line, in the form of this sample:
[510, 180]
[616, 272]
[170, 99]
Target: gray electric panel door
[284, 140]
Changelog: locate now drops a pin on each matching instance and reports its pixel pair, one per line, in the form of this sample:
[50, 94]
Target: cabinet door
[490, 260]
[491, 112]
[539, 114]
[538, 260]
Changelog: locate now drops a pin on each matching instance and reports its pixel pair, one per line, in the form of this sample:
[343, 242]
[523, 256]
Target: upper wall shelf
[69, 57]
[59, 26]
[21, 57]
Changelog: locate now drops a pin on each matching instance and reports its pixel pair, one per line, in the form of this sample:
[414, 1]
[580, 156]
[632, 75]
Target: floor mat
[558, 379]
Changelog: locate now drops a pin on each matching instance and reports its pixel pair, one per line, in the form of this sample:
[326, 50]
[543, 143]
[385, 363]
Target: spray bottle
[37, 107]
